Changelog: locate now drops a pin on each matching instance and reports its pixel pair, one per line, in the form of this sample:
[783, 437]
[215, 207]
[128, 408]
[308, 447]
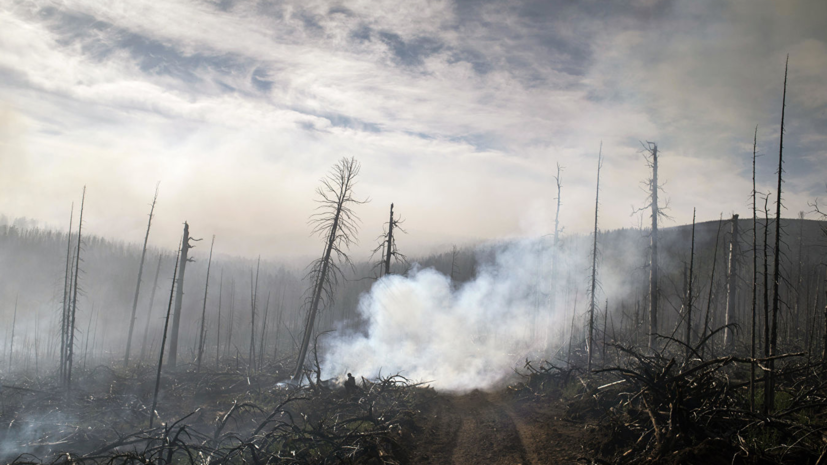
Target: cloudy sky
[458, 111]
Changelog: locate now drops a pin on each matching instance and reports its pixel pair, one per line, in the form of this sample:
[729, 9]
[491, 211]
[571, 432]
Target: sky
[458, 111]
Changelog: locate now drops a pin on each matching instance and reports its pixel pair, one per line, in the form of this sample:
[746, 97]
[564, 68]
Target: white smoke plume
[457, 339]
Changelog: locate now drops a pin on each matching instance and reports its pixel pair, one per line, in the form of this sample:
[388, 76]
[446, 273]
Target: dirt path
[483, 428]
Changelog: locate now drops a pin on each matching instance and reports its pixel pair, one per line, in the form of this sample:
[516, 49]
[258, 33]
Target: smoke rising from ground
[457, 338]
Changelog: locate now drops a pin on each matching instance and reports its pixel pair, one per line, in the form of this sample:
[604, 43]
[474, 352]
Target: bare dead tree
[776, 274]
[138, 285]
[732, 285]
[754, 276]
[766, 275]
[218, 321]
[179, 296]
[253, 296]
[178, 257]
[650, 154]
[593, 287]
[64, 316]
[707, 318]
[690, 296]
[553, 288]
[70, 343]
[388, 246]
[151, 302]
[336, 220]
[201, 333]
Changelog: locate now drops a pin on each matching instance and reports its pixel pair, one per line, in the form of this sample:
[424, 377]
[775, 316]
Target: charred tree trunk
[707, 318]
[754, 278]
[138, 285]
[553, 287]
[71, 328]
[654, 271]
[776, 274]
[732, 286]
[201, 333]
[64, 317]
[765, 409]
[338, 224]
[689, 291]
[178, 258]
[253, 296]
[389, 246]
[218, 322]
[172, 360]
[592, 304]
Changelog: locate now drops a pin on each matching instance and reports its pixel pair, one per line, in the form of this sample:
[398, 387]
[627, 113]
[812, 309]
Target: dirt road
[483, 428]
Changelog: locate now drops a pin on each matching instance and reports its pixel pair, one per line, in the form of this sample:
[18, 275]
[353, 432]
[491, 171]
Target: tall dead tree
[754, 277]
[138, 286]
[172, 359]
[387, 246]
[253, 295]
[151, 301]
[201, 334]
[651, 156]
[70, 343]
[732, 285]
[554, 245]
[178, 258]
[218, 321]
[708, 317]
[593, 288]
[337, 222]
[766, 275]
[690, 296]
[776, 273]
[64, 316]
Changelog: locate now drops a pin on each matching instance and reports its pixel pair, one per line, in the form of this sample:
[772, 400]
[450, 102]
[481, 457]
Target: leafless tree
[336, 221]
[776, 274]
[178, 257]
[201, 334]
[593, 287]
[650, 154]
[387, 247]
[70, 332]
[179, 296]
[138, 285]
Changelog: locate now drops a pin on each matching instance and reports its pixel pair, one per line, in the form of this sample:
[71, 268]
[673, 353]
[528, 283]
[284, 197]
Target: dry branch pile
[225, 417]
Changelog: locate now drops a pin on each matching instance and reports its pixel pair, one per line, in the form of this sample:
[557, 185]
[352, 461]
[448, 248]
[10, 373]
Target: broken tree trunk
[389, 246]
[172, 359]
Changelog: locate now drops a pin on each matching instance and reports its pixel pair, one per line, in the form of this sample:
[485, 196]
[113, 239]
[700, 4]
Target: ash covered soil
[495, 428]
